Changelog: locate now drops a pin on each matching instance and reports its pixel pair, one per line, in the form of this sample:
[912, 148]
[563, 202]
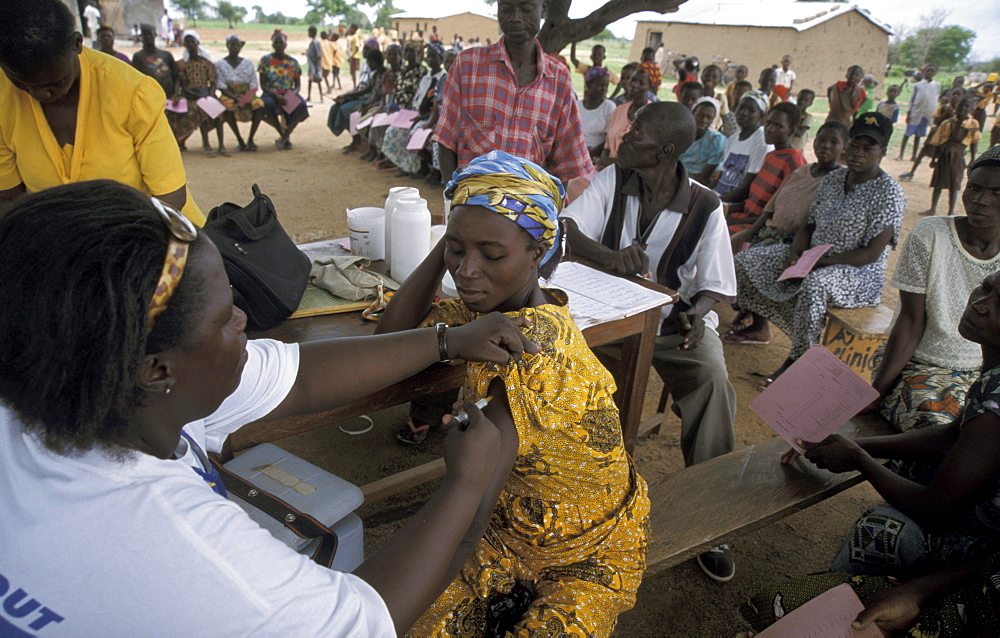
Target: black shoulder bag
[267, 271]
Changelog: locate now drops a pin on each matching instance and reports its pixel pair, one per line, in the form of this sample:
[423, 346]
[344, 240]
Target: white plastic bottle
[411, 236]
[395, 194]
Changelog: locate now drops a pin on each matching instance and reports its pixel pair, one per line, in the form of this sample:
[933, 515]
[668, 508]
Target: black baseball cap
[874, 125]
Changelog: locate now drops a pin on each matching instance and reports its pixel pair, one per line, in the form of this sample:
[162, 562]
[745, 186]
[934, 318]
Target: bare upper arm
[971, 468]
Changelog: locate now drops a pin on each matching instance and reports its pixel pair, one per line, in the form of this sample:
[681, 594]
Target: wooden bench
[696, 508]
[853, 334]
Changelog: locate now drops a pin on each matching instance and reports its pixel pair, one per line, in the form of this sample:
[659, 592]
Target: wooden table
[631, 375]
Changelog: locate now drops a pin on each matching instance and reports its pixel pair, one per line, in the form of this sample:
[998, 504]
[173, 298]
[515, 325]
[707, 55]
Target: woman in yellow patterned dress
[564, 549]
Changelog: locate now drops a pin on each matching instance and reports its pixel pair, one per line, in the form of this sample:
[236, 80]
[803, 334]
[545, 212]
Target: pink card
[292, 101]
[352, 123]
[805, 263]
[180, 106]
[249, 95]
[404, 118]
[383, 119]
[211, 106]
[829, 615]
[418, 138]
[813, 398]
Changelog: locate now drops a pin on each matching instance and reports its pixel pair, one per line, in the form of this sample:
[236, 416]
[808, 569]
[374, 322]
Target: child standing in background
[888, 107]
[950, 141]
[944, 111]
[800, 137]
[741, 75]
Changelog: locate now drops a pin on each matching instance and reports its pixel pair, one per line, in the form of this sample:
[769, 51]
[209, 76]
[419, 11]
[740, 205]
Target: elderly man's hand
[691, 326]
[628, 261]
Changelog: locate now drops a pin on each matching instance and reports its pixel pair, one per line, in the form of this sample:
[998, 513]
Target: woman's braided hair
[79, 264]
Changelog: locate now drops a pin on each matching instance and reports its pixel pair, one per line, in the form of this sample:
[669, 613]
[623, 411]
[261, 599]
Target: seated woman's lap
[884, 541]
[582, 596]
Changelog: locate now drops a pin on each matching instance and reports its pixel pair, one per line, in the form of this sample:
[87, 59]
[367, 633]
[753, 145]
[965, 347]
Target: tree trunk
[559, 30]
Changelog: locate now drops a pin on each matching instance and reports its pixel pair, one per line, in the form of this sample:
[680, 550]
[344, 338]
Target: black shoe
[718, 563]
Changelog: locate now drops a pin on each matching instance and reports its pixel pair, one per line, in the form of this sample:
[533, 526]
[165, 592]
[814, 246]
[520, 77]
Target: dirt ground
[314, 183]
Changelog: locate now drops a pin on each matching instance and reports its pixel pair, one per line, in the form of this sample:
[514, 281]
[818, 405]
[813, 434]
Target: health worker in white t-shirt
[122, 360]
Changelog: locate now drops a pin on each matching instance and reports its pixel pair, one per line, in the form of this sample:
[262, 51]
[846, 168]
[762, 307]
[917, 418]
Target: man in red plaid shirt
[512, 96]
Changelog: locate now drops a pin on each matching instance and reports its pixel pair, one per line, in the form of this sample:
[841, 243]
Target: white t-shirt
[742, 157]
[934, 263]
[710, 267]
[784, 78]
[923, 100]
[144, 547]
[595, 122]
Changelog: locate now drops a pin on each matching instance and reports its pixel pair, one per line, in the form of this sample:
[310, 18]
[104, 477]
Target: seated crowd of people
[115, 383]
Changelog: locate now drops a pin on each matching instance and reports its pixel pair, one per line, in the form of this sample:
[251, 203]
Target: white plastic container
[366, 230]
[437, 232]
[411, 239]
[395, 194]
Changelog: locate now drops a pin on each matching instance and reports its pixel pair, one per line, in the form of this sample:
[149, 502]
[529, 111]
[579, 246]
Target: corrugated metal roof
[425, 15]
[765, 13]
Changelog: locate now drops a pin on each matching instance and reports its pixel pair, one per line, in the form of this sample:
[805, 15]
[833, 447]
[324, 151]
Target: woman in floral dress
[236, 79]
[196, 79]
[858, 210]
[280, 81]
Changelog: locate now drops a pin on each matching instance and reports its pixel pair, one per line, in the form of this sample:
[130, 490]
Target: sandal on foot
[765, 383]
[738, 336]
[413, 434]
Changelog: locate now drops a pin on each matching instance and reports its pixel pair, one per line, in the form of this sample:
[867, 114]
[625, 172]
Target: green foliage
[383, 16]
[605, 35]
[987, 67]
[332, 8]
[313, 17]
[190, 8]
[233, 14]
[945, 47]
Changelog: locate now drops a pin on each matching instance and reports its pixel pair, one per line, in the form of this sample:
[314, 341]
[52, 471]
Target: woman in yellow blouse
[69, 114]
[564, 548]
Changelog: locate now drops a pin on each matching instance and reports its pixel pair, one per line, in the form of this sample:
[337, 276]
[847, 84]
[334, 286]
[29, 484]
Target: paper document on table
[596, 297]
[805, 263]
[813, 397]
[829, 615]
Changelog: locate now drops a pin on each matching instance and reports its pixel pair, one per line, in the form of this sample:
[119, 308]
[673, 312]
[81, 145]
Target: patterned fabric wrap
[520, 190]
[757, 98]
[595, 72]
[170, 276]
[572, 519]
[925, 395]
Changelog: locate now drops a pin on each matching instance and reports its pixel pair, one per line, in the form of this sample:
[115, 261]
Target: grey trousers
[702, 396]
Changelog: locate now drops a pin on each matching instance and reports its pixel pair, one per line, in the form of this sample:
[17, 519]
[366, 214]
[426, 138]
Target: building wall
[122, 14]
[467, 25]
[820, 55]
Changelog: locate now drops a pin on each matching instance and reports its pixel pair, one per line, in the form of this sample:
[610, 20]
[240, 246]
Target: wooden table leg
[633, 374]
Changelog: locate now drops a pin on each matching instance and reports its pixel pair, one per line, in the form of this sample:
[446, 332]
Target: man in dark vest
[646, 216]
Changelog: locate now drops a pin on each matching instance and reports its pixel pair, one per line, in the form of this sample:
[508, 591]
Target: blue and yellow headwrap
[520, 190]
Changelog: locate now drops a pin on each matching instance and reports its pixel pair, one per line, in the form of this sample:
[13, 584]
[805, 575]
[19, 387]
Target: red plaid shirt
[483, 109]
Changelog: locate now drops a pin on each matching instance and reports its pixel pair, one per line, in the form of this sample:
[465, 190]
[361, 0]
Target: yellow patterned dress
[573, 516]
